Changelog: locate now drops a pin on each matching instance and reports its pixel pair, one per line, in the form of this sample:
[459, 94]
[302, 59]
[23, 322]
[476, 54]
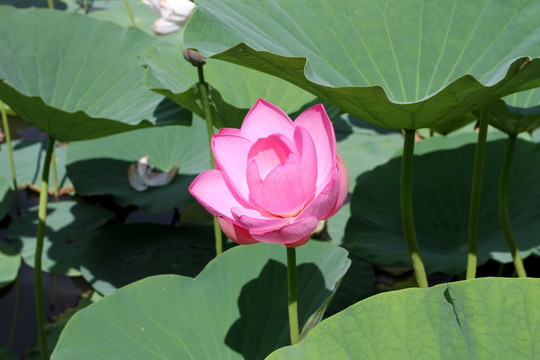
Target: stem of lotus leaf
[130, 13]
[42, 217]
[503, 207]
[51, 4]
[55, 178]
[476, 191]
[293, 295]
[203, 89]
[407, 209]
[10, 154]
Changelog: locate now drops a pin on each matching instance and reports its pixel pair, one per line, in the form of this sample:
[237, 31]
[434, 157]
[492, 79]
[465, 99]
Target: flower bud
[194, 57]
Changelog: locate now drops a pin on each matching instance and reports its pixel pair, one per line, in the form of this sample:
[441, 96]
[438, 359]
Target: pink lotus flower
[274, 178]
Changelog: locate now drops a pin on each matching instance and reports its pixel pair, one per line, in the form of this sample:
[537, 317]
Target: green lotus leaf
[68, 226]
[236, 308]
[100, 166]
[10, 261]
[489, 318]
[169, 74]
[397, 64]
[517, 113]
[29, 156]
[364, 146]
[119, 255]
[75, 77]
[441, 190]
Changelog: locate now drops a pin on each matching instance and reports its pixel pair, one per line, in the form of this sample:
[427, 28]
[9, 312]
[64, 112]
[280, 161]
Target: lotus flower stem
[503, 207]
[407, 209]
[51, 4]
[55, 178]
[293, 294]
[42, 216]
[476, 191]
[10, 153]
[130, 13]
[210, 127]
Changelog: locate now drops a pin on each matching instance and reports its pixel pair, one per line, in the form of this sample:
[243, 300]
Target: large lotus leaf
[68, 226]
[441, 199]
[358, 283]
[119, 255]
[362, 146]
[490, 318]
[5, 196]
[29, 156]
[398, 64]
[100, 166]
[235, 309]
[75, 77]
[173, 77]
[517, 113]
[10, 261]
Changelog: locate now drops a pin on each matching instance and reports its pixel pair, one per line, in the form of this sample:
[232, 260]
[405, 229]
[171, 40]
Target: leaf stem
[293, 294]
[42, 217]
[55, 178]
[130, 13]
[476, 191]
[51, 4]
[10, 154]
[407, 208]
[203, 88]
[503, 206]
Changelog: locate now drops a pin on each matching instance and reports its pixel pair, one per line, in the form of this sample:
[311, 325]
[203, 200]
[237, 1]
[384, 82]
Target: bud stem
[203, 89]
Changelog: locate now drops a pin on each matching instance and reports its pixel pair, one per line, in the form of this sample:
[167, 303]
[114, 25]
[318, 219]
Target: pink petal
[281, 192]
[299, 242]
[264, 119]
[230, 154]
[316, 122]
[229, 131]
[254, 182]
[325, 202]
[289, 234]
[343, 185]
[235, 232]
[269, 152]
[306, 149]
[254, 220]
[210, 189]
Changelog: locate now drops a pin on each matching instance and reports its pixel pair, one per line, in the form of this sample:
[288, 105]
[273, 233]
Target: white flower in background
[174, 14]
[141, 176]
